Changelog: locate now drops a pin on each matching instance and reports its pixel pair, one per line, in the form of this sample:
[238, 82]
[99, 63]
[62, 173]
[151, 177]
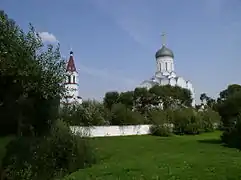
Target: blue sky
[114, 41]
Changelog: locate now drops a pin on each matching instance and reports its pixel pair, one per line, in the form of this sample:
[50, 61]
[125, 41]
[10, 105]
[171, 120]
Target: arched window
[166, 66]
[74, 79]
[69, 79]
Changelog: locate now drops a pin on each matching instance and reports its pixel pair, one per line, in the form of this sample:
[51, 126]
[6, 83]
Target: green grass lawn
[199, 157]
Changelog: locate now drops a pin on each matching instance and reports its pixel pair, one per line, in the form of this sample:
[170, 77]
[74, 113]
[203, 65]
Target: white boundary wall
[103, 131]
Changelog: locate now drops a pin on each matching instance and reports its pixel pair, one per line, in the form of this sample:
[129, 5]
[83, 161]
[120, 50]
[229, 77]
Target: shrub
[187, 121]
[210, 120]
[118, 114]
[17, 157]
[134, 118]
[160, 130]
[87, 114]
[229, 108]
[232, 135]
[121, 115]
[48, 157]
[161, 121]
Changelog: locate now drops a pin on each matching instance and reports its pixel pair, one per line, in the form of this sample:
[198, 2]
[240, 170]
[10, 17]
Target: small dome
[164, 51]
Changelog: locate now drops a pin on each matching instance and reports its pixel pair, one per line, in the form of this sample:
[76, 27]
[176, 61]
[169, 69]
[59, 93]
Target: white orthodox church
[72, 83]
[165, 73]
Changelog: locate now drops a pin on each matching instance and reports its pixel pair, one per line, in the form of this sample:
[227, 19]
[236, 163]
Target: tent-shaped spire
[70, 65]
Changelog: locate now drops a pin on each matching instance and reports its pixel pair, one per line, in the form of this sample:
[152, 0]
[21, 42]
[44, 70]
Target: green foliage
[161, 123]
[210, 120]
[207, 101]
[57, 154]
[92, 113]
[17, 158]
[160, 130]
[203, 97]
[30, 82]
[229, 108]
[110, 99]
[127, 98]
[187, 121]
[160, 116]
[230, 91]
[118, 114]
[232, 135]
[143, 100]
[121, 115]
[172, 96]
[134, 118]
[89, 113]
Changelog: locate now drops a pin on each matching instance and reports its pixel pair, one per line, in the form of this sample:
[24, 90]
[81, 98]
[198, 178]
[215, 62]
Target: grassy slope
[147, 157]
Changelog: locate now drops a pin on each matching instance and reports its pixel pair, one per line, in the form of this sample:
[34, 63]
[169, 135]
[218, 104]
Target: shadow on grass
[211, 141]
[218, 141]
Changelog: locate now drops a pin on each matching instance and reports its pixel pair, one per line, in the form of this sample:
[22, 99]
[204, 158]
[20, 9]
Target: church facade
[165, 73]
[72, 83]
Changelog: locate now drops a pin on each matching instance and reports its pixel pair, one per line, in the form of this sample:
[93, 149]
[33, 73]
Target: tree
[121, 115]
[229, 102]
[207, 101]
[183, 96]
[229, 108]
[171, 96]
[127, 98]
[89, 113]
[211, 103]
[143, 100]
[203, 97]
[31, 81]
[232, 89]
[110, 99]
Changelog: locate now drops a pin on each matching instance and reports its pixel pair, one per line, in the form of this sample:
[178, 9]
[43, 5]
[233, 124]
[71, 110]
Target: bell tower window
[166, 66]
[74, 79]
[69, 79]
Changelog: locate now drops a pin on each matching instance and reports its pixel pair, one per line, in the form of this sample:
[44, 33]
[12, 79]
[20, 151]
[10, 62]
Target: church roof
[70, 65]
[164, 51]
[150, 82]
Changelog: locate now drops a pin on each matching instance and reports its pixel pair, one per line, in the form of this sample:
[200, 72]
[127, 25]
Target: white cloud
[48, 37]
